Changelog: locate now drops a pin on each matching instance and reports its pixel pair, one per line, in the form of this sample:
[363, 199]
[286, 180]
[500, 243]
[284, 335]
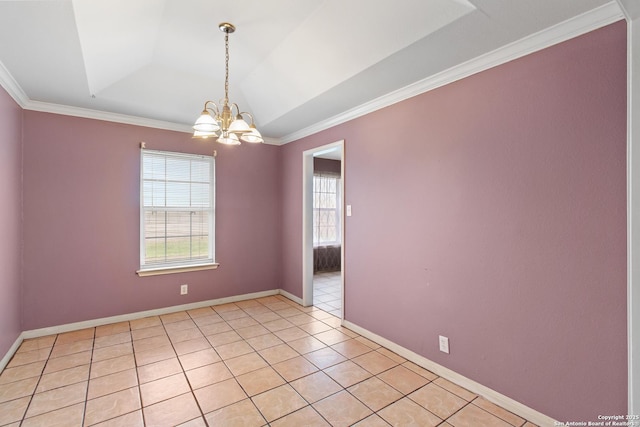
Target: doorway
[323, 228]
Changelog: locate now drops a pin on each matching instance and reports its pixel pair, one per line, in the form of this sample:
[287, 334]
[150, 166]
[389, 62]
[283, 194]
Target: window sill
[171, 270]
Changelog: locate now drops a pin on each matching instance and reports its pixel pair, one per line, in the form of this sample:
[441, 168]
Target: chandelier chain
[226, 67]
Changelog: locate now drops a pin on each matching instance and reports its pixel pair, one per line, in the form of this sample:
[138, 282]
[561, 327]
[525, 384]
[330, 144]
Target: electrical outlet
[444, 344]
[184, 289]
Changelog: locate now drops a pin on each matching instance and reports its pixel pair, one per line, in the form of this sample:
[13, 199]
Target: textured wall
[81, 221]
[10, 220]
[493, 211]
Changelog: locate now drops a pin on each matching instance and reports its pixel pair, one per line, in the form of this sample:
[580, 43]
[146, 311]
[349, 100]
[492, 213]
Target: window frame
[187, 265]
[337, 211]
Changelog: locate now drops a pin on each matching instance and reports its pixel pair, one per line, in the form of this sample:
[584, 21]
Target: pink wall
[81, 221]
[499, 207]
[10, 220]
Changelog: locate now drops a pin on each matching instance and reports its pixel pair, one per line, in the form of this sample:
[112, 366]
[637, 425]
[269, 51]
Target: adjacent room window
[177, 210]
[326, 209]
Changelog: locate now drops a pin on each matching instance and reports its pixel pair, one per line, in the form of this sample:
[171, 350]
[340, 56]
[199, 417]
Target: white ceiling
[293, 63]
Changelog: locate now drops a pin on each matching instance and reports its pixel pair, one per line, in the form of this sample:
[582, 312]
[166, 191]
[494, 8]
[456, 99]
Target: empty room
[319, 213]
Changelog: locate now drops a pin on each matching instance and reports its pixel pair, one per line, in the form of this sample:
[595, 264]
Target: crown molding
[12, 87]
[87, 113]
[563, 31]
[573, 27]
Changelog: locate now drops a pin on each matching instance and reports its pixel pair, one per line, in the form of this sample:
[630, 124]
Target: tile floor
[327, 292]
[259, 362]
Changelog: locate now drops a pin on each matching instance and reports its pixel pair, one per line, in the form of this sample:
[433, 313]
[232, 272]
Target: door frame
[307, 219]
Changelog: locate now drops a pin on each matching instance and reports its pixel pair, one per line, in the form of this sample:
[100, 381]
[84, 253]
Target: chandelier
[224, 120]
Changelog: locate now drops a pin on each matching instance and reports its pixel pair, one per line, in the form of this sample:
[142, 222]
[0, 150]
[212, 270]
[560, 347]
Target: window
[326, 209]
[177, 211]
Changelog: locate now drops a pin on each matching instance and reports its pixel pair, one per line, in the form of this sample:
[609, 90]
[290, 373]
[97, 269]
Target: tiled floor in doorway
[262, 362]
[327, 292]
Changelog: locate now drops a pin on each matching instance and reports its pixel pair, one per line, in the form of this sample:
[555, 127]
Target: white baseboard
[291, 296]
[35, 333]
[446, 373]
[12, 350]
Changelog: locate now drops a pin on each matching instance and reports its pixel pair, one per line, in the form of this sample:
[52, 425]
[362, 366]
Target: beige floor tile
[325, 357]
[307, 417]
[375, 393]
[278, 325]
[306, 345]
[420, 371]
[315, 327]
[57, 399]
[17, 389]
[222, 308]
[242, 322]
[112, 406]
[198, 359]
[277, 403]
[109, 340]
[455, 389]
[234, 349]
[155, 355]
[219, 395]
[259, 381]
[278, 353]
[332, 321]
[240, 414]
[375, 362]
[66, 362]
[368, 342]
[61, 378]
[245, 363]
[132, 419]
[342, 409]
[223, 338]
[372, 421]
[295, 368]
[69, 337]
[157, 370]
[471, 415]
[441, 402]
[332, 337]
[192, 345]
[112, 351]
[200, 312]
[185, 335]
[150, 343]
[347, 373]
[112, 329]
[288, 312]
[499, 412]
[145, 322]
[301, 319]
[208, 375]
[351, 348]
[181, 325]
[291, 334]
[264, 341]
[266, 316]
[69, 416]
[73, 347]
[406, 412]
[174, 411]
[209, 319]
[174, 317]
[316, 386]
[391, 355]
[13, 410]
[27, 357]
[22, 372]
[144, 333]
[163, 389]
[233, 314]
[111, 366]
[402, 379]
[112, 383]
[37, 343]
[252, 331]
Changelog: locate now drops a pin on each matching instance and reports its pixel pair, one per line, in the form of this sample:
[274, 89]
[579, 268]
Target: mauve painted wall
[81, 221]
[499, 206]
[10, 221]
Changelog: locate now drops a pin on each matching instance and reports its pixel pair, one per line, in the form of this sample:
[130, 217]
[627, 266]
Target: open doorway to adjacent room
[324, 217]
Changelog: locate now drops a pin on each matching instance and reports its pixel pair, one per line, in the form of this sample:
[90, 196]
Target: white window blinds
[177, 210]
